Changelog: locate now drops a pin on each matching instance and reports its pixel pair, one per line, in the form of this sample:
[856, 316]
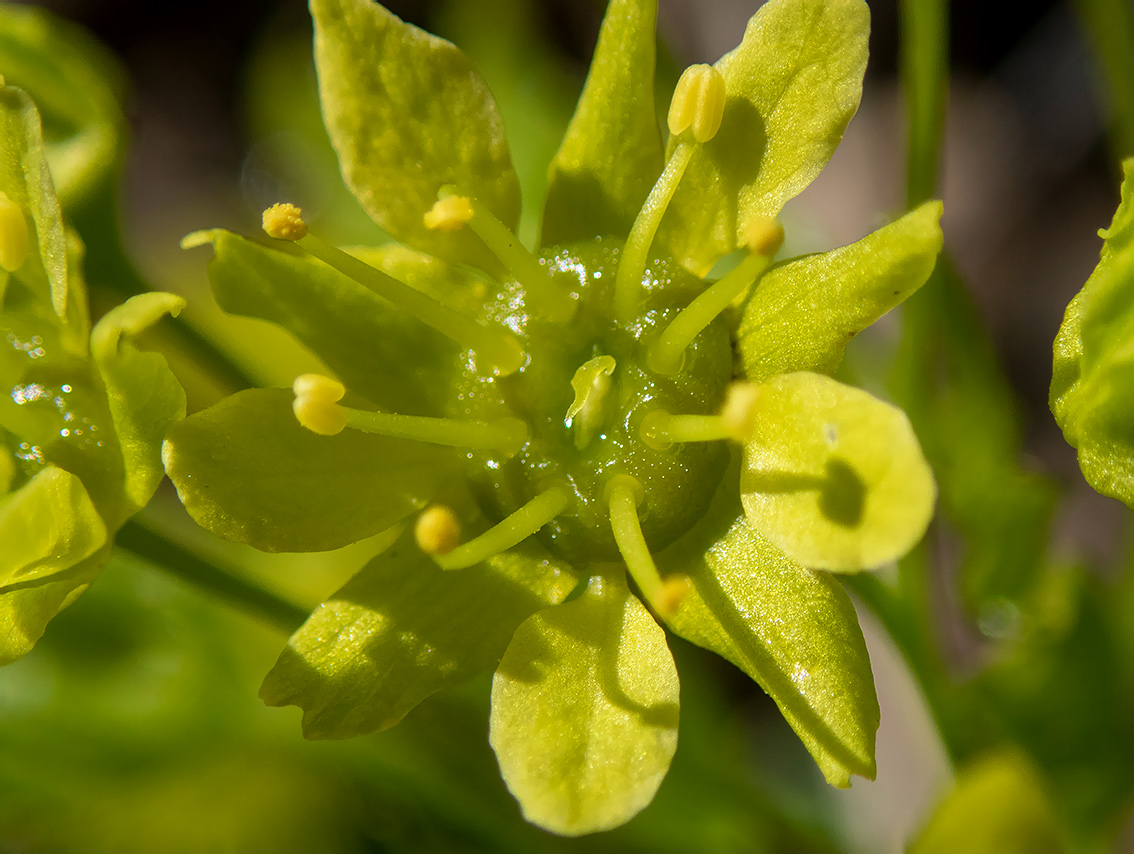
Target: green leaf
[833, 476]
[792, 86]
[26, 178]
[75, 82]
[999, 806]
[47, 526]
[791, 629]
[803, 313]
[408, 114]
[144, 397]
[612, 153]
[378, 351]
[403, 629]
[1092, 389]
[247, 471]
[584, 711]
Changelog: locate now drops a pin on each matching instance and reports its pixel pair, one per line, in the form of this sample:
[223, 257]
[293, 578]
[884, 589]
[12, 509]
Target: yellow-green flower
[595, 425]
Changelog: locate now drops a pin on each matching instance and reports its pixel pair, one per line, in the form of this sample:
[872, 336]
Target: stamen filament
[661, 429]
[512, 531]
[547, 296]
[622, 498]
[665, 355]
[632, 264]
[497, 347]
[506, 434]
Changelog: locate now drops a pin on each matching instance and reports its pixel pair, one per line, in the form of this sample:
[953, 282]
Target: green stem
[162, 552]
[925, 69]
[1109, 25]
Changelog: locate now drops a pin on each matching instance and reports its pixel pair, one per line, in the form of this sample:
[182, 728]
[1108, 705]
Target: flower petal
[248, 472]
[803, 313]
[26, 179]
[791, 629]
[1092, 390]
[408, 114]
[584, 711]
[834, 476]
[378, 351]
[612, 152]
[144, 397]
[792, 85]
[403, 629]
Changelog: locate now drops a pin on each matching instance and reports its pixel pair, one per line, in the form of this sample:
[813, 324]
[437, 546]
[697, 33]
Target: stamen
[666, 354]
[13, 235]
[623, 493]
[317, 408]
[437, 531]
[507, 435]
[499, 349]
[316, 404]
[591, 384]
[698, 102]
[511, 532]
[449, 214]
[284, 221]
[547, 296]
[737, 421]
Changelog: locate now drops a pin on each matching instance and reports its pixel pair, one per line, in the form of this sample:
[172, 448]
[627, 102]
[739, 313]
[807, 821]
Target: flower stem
[159, 551]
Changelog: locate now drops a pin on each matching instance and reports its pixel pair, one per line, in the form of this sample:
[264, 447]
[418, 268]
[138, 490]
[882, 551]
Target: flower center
[584, 391]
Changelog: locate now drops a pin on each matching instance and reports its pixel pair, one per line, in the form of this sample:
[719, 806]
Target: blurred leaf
[403, 629]
[247, 471]
[833, 476]
[584, 711]
[75, 83]
[408, 114]
[803, 312]
[378, 351]
[792, 85]
[791, 629]
[612, 153]
[998, 807]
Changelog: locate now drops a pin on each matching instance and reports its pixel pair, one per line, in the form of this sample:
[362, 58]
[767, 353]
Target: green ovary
[677, 482]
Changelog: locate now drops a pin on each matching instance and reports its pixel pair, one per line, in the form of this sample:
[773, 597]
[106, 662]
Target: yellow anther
[741, 410]
[763, 236]
[316, 404]
[284, 221]
[13, 235]
[698, 102]
[449, 214]
[437, 531]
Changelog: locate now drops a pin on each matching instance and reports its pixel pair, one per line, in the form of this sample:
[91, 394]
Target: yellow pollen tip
[741, 410]
[316, 404]
[698, 103]
[13, 235]
[673, 593]
[284, 221]
[763, 236]
[449, 213]
[437, 531]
